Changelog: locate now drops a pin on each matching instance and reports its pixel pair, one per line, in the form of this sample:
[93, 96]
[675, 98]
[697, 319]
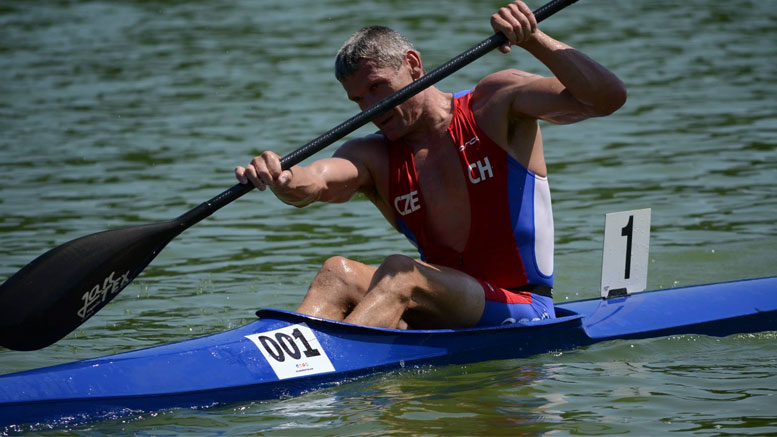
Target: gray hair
[384, 46]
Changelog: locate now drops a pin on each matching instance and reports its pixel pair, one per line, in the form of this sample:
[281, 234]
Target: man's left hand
[516, 21]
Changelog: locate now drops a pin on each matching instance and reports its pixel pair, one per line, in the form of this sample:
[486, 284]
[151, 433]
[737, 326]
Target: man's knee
[396, 265]
[335, 271]
[335, 289]
[397, 276]
[341, 279]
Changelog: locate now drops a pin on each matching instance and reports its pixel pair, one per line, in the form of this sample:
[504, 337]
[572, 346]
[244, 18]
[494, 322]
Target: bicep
[545, 98]
[347, 172]
[526, 95]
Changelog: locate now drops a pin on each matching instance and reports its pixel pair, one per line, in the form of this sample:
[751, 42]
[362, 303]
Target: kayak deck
[718, 309]
[285, 353]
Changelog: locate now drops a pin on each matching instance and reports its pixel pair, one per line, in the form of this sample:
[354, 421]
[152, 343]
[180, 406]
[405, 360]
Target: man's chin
[390, 134]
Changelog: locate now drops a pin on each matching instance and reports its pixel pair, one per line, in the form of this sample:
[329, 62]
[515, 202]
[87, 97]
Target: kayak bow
[285, 353]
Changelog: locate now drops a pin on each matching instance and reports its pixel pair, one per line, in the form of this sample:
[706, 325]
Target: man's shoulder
[370, 155]
[497, 90]
[370, 150]
[368, 144]
[504, 78]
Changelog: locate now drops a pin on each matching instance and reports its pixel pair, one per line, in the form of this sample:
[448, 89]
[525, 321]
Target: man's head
[374, 63]
[379, 44]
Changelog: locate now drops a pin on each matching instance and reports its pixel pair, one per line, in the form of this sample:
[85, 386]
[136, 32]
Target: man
[463, 176]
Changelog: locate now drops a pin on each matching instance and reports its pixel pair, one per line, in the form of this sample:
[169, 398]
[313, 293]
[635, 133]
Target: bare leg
[337, 288]
[408, 293]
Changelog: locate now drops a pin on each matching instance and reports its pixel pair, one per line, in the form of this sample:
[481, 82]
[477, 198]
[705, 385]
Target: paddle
[61, 289]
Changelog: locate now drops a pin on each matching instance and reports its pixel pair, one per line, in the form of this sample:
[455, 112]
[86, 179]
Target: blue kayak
[284, 353]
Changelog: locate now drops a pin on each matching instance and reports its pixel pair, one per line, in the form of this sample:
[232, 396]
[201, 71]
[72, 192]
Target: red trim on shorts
[496, 294]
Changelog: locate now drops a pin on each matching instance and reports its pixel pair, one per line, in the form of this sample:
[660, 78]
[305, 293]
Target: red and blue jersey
[510, 241]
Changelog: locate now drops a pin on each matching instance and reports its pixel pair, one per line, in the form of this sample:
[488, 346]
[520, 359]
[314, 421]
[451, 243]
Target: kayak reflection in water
[462, 175]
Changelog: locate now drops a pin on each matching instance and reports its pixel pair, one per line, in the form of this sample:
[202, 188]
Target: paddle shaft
[338, 132]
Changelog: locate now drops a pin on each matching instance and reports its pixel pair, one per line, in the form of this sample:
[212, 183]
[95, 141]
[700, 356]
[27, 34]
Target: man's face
[370, 84]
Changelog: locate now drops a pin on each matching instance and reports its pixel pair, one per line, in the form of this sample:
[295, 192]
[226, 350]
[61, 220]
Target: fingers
[264, 171]
[516, 21]
[240, 175]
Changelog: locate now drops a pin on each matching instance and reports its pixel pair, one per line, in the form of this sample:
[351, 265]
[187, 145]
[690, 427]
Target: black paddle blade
[61, 289]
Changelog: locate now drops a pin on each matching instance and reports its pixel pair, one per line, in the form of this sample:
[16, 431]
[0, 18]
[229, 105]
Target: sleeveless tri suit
[510, 244]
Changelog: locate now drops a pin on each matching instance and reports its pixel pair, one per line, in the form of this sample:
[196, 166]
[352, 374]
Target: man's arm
[581, 87]
[334, 179]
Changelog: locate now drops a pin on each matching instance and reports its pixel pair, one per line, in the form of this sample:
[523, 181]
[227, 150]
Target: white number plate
[625, 254]
[292, 351]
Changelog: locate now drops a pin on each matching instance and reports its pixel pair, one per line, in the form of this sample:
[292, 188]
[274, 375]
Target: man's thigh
[444, 298]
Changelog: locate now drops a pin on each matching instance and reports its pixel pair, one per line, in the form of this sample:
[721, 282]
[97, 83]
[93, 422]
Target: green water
[129, 112]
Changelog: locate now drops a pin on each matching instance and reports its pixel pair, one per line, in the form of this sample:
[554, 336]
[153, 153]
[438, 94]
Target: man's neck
[434, 120]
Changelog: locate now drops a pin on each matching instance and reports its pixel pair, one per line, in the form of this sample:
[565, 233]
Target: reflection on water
[439, 401]
[130, 112]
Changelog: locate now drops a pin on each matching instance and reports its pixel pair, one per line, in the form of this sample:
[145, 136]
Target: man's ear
[413, 60]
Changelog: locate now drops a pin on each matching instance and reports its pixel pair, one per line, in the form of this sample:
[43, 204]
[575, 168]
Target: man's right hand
[264, 171]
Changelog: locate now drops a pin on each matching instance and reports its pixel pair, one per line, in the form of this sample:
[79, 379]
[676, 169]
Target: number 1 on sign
[628, 232]
[625, 260]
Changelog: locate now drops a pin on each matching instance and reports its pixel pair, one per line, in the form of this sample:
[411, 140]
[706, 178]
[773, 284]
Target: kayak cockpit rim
[563, 315]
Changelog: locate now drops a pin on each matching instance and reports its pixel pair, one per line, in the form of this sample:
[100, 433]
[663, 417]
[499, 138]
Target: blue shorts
[505, 306]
